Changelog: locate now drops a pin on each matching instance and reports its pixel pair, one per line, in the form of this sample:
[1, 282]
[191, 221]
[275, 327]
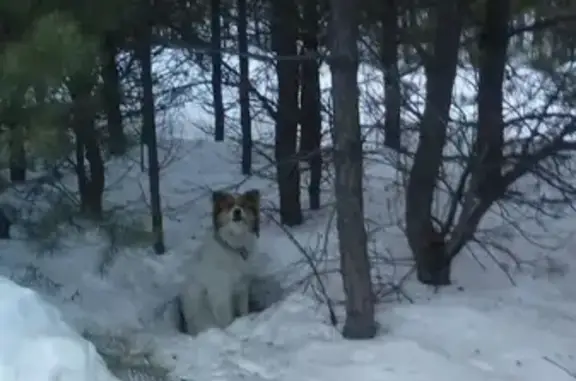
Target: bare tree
[389, 58]
[90, 185]
[18, 162]
[348, 164]
[15, 121]
[244, 88]
[424, 238]
[216, 44]
[310, 101]
[143, 54]
[111, 94]
[284, 43]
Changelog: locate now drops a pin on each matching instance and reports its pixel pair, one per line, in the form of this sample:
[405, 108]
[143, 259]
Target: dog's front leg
[223, 310]
[243, 302]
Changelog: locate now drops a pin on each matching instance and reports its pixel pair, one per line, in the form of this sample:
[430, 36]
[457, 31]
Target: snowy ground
[38, 345]
[483, 328]
[118, 296]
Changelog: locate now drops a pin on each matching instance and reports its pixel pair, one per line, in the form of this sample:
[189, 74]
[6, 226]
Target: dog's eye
[227, 203]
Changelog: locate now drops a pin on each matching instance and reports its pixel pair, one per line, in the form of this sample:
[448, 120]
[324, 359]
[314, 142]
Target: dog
[218, 290]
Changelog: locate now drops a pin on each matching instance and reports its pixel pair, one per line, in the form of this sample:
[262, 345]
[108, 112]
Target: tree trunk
[90, 186]
[493, 45]
[216, 40]
[81, 176]
[348, 164]
[487, 184]
[117, 143]
[310, 103]
[144, 53]
[97, 175]
[284, 42]
[5, 224]
[389, 59]
[245, 123]
[427, 247]
[18, 161]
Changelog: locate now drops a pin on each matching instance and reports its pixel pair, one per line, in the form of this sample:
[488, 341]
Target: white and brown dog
[219, 286]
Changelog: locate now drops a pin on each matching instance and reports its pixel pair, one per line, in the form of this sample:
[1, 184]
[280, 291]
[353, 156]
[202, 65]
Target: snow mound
[37, 345]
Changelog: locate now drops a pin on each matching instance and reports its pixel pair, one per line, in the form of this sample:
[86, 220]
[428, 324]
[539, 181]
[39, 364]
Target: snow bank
[37, 345]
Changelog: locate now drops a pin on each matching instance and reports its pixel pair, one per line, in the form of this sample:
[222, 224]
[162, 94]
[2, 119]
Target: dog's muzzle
[237, 215]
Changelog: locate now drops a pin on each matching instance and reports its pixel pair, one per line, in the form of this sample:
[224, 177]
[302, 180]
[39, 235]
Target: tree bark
[216, 41]
[144, 47]
[117, 143]
[310, 103]
[389, 59]
[245, 122]
[18, 162]
[487, 183]
[493, 45]
[90, 185]
[426, 242]
[348, 164]
[284, 42]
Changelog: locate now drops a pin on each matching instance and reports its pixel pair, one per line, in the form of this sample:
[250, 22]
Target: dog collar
[240, 250]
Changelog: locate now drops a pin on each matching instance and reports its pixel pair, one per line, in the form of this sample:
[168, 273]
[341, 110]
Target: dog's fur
[219, 286]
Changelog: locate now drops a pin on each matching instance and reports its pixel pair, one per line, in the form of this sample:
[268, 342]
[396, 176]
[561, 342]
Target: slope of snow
[482, 328]
[473, 338]
[37, 345]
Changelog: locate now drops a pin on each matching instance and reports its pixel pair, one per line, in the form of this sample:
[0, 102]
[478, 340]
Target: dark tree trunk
[80, 167]
[245, 122]
[493, 45]
[389, 59]
[284, 41]
[427, 247]
[216, 41]
[434, 265]
[487, 183]
[90, 186]
[5, 224]
[117, 143]
[311, 117]
[97, 175]
[348, 164]
[18, 161]
[144, 47]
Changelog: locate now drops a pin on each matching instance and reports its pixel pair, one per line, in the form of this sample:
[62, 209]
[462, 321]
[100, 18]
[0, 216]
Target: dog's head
[236, 214]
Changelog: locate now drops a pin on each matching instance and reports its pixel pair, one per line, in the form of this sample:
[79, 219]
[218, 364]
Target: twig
[315, 271]
[570, 373]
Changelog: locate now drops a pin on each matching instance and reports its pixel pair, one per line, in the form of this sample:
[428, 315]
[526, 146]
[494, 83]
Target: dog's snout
[237, 214]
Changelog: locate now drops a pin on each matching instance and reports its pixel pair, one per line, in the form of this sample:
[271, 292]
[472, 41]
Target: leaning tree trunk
[487, 184]
[144, 55]
[284, 42]
[216, 44]
[348, 164]
[245, 122]
[111, 91]
[310, 101]
[433, 264]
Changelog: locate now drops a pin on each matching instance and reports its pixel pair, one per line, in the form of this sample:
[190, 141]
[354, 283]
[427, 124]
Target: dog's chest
[218, 265]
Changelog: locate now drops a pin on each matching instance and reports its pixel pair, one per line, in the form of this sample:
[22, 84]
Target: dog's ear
[252, 201]
[253, 196]
[220, 200]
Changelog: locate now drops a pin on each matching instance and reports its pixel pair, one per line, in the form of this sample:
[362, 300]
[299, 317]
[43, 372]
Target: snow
[37, 345]
[118, 296]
